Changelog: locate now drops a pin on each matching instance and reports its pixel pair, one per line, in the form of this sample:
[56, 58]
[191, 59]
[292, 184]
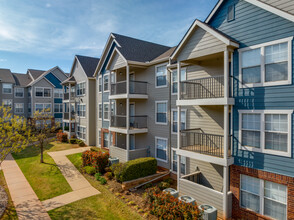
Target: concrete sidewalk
[25, 200]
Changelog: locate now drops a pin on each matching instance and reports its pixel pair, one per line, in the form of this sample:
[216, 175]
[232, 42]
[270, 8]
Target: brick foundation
[241, 213]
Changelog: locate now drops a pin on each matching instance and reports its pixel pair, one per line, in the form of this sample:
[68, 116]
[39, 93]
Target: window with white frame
[175, 163]
[18, 92]
[81, 132]
[7, 103]
[175, 120]
[264, 197]
[174, 80]
[58, 108]
[231, 13]
[18, 108]
[266, 64]
[112, 77]
[99, 138]
[105, 139]
[112, 107]
[100, 84]
[29, 91]
[100, 111]
[43, 92]
[106, 111]
[81, 110]
[161, 76]
[47, 92]
[161, 112]
[106, 82]
[58, 93]
[42, 107]
[161, 148]
[81, 88]
[266, 131]
[7, 88]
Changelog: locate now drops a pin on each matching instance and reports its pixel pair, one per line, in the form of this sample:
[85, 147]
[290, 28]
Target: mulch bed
[3, 200]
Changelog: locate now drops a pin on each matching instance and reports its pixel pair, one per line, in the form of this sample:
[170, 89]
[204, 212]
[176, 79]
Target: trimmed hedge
[137, 168]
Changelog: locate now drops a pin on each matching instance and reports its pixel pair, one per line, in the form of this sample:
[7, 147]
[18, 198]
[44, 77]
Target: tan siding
[201, 43]
[119, 153]
[285, 5]
[134, 154]
[117, 62]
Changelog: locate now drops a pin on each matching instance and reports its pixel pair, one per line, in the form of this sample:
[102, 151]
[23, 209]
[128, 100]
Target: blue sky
[41, 34]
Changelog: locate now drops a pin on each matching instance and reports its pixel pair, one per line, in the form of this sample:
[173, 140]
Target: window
[100, 111]
[161, 148]
[39, 92]
[81, 89]
[7, 103]
[58, 93]
[266, 64]
[112, 77]
[175, 120]
[18, 108]
[99, 138]
[18, 92]
[100, 84]
[231, 13]
[266, 131]
[7, 88]
[58, 108]
[58, 121]
[106, 82]
[106, 111]
[264, 197]
[42, 107]
[161, 112]
[29, 107]
[47, 92]
[161, 74]
[112, 109]
[43, 92]
[29, 91]
[81, 132]
[81, 110]
[105, 140]
[175, 163]
[175, 80]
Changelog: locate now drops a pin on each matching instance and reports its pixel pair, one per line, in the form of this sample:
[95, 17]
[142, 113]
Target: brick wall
[103, 130]
[241, 213]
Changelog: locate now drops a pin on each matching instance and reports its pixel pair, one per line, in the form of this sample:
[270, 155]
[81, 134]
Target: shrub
[81, 143]
[98, 176]
[165, 206]
[90, 170]
[73, 141]
[99, 160]
[103, 181]
[117, 170]
[108, 169]
[96, 149]
[73, 136]
[138, 168]
[169, 180]
[61, 136]
[108, 175]
[163, 185]
[148, 185]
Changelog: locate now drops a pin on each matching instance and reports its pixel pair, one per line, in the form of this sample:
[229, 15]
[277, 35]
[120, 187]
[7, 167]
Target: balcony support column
[179, 124]
[225, 191]
[69, 111]
[128, 111]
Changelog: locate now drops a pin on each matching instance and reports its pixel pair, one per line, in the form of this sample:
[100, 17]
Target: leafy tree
[15, 134]
[43, 129]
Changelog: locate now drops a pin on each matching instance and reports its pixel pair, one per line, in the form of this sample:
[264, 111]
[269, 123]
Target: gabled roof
[21, 79]
[88, 64]
[138, 50]
[36, 73]
[216, 33]
[69, 80]
[283, 8]
[165, 55]
[6, 76]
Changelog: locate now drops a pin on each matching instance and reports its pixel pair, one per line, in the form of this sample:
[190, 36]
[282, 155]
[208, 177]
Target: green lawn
[103, 206]
[45, 178]
[10, 212]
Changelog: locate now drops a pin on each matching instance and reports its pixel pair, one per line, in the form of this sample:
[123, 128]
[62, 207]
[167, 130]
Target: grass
[10, 212]
[104, 206]
[45, 178]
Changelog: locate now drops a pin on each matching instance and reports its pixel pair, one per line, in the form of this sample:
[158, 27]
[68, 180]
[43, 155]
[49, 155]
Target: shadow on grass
[31, 151]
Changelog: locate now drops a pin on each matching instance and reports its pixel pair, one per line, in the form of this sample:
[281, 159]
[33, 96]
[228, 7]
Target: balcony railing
[204, 88]
[210, 144]
[136, 122]
[136, 87]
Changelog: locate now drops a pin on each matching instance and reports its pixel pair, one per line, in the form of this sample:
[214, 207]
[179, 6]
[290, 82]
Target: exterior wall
[23, 100]
[252, 26]
[117, 62]
[242, 213]
[91, 113]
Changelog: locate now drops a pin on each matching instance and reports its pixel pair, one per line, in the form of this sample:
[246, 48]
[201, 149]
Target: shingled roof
[6, 76]
[36, 73]
[21, 79]
[138, 50]
[89, 64]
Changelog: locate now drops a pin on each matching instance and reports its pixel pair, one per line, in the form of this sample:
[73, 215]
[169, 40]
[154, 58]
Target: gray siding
[119, 153]
[116, 62]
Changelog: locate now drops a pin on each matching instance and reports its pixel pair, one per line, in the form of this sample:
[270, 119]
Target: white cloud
[48, 5]
[3, 60]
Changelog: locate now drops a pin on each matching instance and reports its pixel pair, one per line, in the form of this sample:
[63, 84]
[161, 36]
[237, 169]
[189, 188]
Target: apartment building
[35, 90]
[79, 100]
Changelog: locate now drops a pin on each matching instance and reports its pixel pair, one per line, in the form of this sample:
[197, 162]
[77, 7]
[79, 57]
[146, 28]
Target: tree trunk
[42, 160]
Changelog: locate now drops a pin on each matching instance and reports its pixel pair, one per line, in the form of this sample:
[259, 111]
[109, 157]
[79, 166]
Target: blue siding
[53, 79]
[57, 100]
[57, 115]
[252, 26]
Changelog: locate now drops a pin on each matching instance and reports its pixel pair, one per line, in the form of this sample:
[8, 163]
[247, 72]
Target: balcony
[138, 124]
[122, 154]
[66, 116]
[66, 96]
[137, 90]
[204, 91]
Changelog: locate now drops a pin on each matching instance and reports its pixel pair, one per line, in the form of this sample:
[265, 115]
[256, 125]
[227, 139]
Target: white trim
[165, 139]
[77, 110]
[106, 74]
[262, 64]
[171, 80]
[100, 81]
[76, 88]
[174, 151]
[164, 86]
[172, 120]
[15, 108]
[106, 103]
[215, 101]
[262, 131]
[100, 118]
[59, 104]
[213, 11]
[8, 101]
[43, 88]
[16, 88]
[161, 123]
[131, 96]
[82, 126]
[3, 88]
